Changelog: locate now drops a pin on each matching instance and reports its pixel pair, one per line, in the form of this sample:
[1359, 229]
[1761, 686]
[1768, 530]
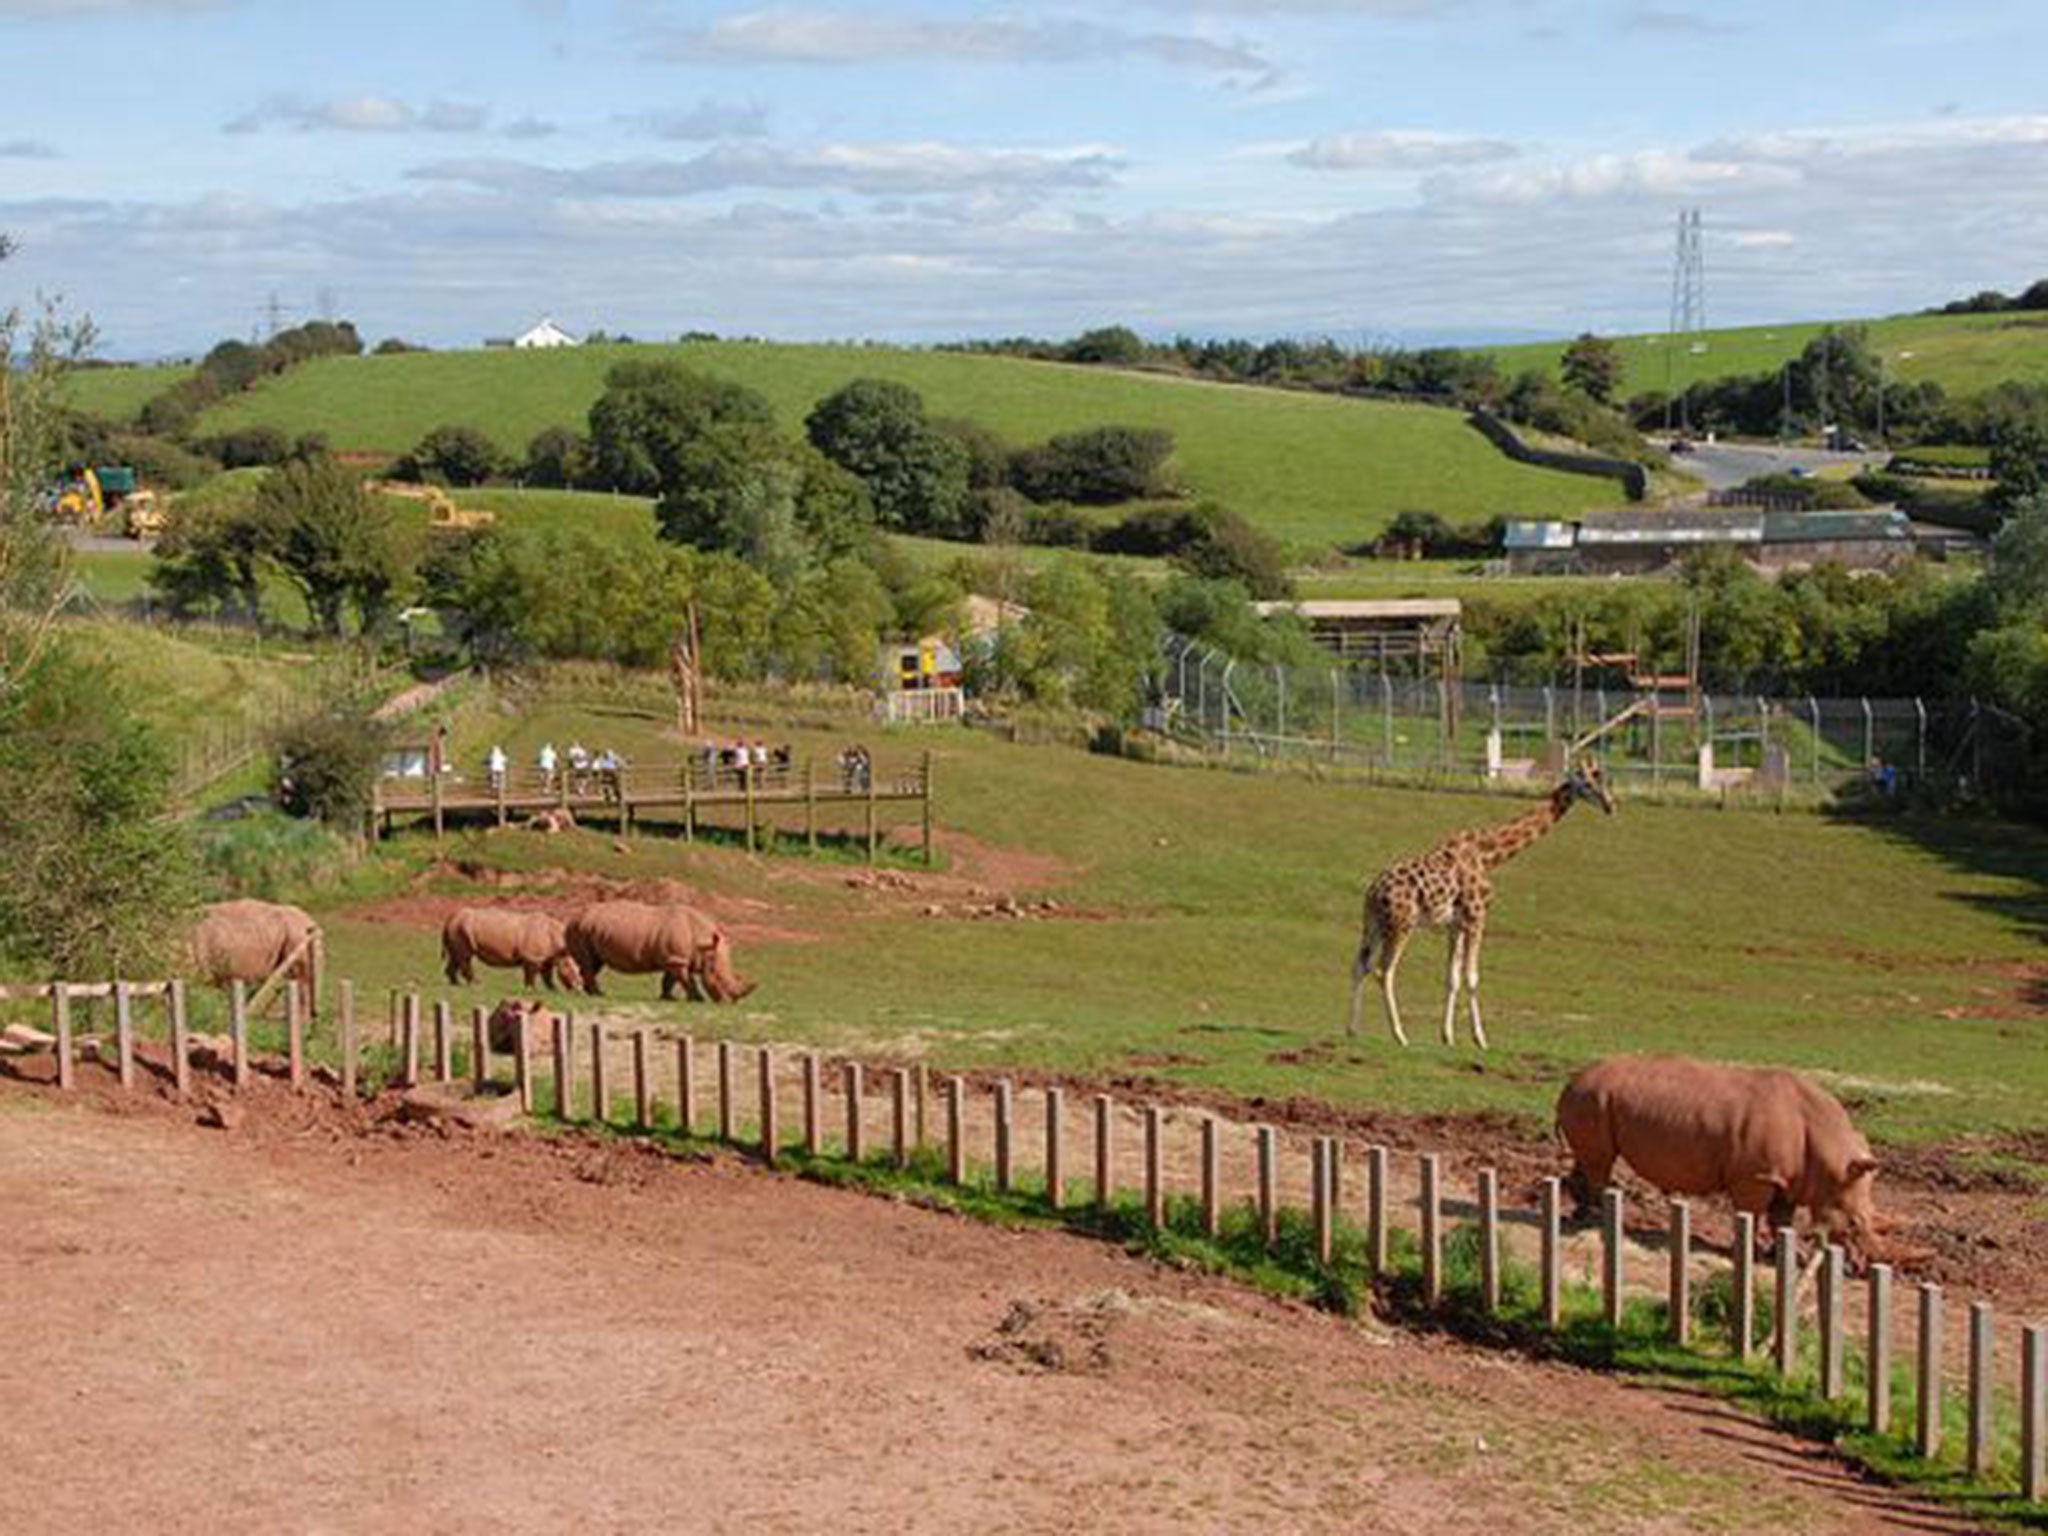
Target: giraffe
[1448, 887]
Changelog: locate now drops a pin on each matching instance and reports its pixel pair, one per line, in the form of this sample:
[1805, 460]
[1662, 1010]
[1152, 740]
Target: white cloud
[1763, 239]
[793, 36]
[1651, 173]
[1398, 149]
[360, 114]
[1668, 21]
[530, 128]
[868, 169]
[27, 149]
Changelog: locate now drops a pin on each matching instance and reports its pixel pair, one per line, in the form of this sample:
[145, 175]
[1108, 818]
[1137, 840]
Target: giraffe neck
[1496, 845]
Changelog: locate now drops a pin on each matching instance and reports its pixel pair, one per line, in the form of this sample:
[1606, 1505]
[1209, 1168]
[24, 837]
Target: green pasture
[1313, 469]
[1962, 353]
[117, 393]
[1208, 921]
[194, 683]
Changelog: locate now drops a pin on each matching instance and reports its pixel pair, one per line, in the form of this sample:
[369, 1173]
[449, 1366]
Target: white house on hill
[545, 334]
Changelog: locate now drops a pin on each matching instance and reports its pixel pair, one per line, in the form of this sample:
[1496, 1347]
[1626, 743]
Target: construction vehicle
[443, 515]
[92, 492]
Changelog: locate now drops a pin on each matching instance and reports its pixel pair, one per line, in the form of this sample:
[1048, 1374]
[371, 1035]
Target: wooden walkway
[680, 789]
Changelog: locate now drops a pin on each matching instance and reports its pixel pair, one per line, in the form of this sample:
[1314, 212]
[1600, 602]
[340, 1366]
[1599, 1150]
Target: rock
[25, 1039]
[223, 1115]
[215, 1051]
[443, 1106]
[933, 909]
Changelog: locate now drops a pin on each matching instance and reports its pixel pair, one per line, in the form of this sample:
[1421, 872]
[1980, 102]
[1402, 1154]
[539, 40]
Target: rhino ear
[1861, 1166]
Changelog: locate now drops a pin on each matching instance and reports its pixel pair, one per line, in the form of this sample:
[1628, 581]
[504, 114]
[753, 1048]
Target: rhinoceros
[684, 946]
[1771, 1141]
[534, 942]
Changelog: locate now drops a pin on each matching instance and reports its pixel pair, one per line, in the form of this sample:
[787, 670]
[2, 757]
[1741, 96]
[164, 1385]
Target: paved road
[1723, 466]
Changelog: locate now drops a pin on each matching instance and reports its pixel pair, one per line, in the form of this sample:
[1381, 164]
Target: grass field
[116, 394]
[1962, 353]
[1210, 920]
[1315, 470]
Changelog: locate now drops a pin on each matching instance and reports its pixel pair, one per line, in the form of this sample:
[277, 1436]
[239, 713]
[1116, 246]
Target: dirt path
[313, 1322]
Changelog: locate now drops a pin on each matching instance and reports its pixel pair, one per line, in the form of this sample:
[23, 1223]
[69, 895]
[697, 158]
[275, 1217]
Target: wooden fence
[685, 787]
[581, 1065]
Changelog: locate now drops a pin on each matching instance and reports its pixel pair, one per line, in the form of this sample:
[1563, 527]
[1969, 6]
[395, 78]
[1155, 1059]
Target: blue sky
[1367, 169]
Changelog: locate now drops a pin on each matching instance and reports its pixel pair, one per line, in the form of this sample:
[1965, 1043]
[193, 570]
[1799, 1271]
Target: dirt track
[312, 1322]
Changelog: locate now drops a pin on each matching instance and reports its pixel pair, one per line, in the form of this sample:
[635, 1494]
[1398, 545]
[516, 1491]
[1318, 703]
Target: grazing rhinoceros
[502, 1028]
[687, 948]
[532, 941]
[1769, 1140]
[248, 940]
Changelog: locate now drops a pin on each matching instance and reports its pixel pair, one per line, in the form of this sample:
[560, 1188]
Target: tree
[645, 425]
[1117, 345]
[327, 766]
[336, 544]
[34, 560]
[1593, 364]
[1099, 466]
[452, 455]
[557, 457]
[916, 475]
[2019, 463]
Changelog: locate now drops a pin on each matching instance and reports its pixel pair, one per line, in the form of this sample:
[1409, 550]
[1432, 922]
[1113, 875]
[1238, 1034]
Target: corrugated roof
[1701, 526]
[1369, 608]
[1537, 536]
[1834, 527]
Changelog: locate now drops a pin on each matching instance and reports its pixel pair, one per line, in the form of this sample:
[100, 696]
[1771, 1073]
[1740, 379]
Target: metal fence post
[1869, 733]
[1813, 713]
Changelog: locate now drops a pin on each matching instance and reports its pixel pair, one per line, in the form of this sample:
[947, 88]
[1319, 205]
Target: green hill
[1315, 470]
[117, 393]
[1963, 353]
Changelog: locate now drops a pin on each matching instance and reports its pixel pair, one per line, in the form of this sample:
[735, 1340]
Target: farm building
[1428, 631]
[1638, 543]
[921, 681]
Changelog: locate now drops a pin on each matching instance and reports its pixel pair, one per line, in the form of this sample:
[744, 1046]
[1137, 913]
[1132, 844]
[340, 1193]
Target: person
[579, 767]
[607, 766]
[548, 761]
[497, 761]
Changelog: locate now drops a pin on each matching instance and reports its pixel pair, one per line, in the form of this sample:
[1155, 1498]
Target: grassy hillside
[1315, 470]
[1207, 924]
[1962, 353]
[116, 394]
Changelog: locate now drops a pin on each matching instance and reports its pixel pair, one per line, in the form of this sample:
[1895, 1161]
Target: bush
[327, 767]
[557, 458]
[246, 447]
[452, 455]
[1810, 494]
[1100, 466]
[1117, 345]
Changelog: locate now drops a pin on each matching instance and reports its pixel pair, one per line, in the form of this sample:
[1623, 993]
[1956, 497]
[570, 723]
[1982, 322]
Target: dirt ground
[322, 1319]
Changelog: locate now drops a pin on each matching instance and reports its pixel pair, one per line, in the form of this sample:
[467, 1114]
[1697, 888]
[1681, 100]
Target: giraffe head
[1586, 782]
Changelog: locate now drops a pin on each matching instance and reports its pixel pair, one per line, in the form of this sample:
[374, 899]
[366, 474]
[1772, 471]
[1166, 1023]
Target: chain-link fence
[1410, 725]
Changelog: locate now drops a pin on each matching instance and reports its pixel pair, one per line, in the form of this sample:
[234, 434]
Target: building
[1426, 630]
[921, 681]
[1643, 543]
[544, 334]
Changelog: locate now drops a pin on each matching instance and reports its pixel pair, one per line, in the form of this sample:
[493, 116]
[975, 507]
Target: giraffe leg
[1472, 985]
[1457, 971]
[1390, 960]
[1361, 967]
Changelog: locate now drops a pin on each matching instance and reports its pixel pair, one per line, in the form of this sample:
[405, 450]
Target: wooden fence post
[643, 1079]
[1268, 1142]
[856, 1144]
[1551, 1258]
[181, 1044]
[899, 1116]
[1833, 1347]
[1105, 1151]
[1679, 1302]
[1927, 1393]
[60, 1026]
[1055, 1147]
[764, 1059]
[956, 1130]
[295, 1031]
[725, 1109]
[1745, 1285]
[444, 1042]
[345, 1031]
[1612, 1259]
[814, 1130]
[409, 1030]
[1005, 1132]
[1432, 1229]
[522, 1061]
[600, 1076]
[921, 1081]
[2033, 1412]
[1489, 1240]
[480, 1047]
[1983, 1444]
[565, 1066]
[238, 1031]
[686, 1085]
[810, 804]
[926, 797]
[1786, 1353]
[1155, 1166]
[1878, 1380]
[1319, 1198]
[1376, 1210]
[124, 1035]
[871, 814]
[1212, 1177]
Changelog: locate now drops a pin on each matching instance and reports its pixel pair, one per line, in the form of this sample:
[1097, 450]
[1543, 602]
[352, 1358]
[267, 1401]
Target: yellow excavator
[442, 512]
[94, 491]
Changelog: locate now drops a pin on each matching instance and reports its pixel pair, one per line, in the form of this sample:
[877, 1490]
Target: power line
[1688, 308]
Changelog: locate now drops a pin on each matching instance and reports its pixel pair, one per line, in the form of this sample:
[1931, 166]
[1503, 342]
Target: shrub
[327, 767]
[558, 457]
[245, 447]
[1099, 466]
[453, 455]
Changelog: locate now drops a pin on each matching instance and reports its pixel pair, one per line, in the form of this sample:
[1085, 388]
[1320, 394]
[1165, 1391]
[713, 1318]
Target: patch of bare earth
[331, 1319]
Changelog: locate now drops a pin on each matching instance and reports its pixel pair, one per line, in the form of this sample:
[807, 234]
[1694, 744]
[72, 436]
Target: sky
[1375, 171]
